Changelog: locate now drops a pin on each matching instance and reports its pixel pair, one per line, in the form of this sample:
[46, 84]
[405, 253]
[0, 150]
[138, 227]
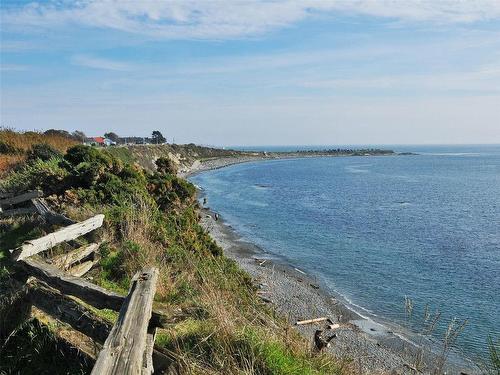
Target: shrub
[45, 175]
[166, 166]
[8, 149]
[88, 165]
[170, 191]
[43, 151]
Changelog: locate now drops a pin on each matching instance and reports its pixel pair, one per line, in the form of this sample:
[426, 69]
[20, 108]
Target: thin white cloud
[100, 63]
[17, 46]
[205, 19]
[484, 79]
[13, 68]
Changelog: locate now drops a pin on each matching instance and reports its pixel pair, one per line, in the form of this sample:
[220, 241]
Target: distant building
[99, 141]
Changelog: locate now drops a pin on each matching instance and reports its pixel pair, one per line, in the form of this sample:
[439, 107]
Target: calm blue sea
[377, 229]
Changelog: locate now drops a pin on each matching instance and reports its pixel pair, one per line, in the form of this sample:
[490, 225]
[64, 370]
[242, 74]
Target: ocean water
[377, 229]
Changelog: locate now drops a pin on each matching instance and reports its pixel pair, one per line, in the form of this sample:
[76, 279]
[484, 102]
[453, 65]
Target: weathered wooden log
[66, 309]
[65, 261]
[81, 269]
[124, 348]
[4, 194]
[309, 321]
[20, 198]
[70, 232]
[18, 211]
[82, 319]
[50, 215]
[71, 285]
[90, 293]
[147, 359]
[70, 342]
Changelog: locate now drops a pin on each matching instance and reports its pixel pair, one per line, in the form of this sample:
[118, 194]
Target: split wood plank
[50, 215]
[18, 211]
[92, 294]
[147, 360]
[65, 261]
[68, 233]
[124, 348]
[81, 269]
[20, 198]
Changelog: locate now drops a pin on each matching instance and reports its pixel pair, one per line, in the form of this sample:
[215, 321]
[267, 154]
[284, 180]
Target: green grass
[34, 350]
[122, 153]
[15, 233]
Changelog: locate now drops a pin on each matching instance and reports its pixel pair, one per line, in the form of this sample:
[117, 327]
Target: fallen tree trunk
[70, 232]
[123, 350]
[65, 261]
[92, 294]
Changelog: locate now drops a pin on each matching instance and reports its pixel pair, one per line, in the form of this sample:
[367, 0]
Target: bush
[45, 175]
[170, 191]
[8, 149]
[43, 151]
[166, 166]
[88, 165]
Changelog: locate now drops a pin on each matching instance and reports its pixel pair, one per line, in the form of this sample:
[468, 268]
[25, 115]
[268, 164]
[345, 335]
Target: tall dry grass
[15, 145]
[7, 162]
[25, 140]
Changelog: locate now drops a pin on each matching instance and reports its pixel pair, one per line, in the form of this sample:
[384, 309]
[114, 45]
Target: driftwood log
[123, 350]
[68, 233]
[310, 321]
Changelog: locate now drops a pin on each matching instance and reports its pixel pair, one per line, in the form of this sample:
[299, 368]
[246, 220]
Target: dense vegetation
[14, 146]
[151, 219]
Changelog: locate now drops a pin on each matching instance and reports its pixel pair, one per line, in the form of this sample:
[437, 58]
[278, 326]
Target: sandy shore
[371, 347]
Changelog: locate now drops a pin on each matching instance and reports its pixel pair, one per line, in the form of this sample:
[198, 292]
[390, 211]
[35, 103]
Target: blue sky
[252, 72]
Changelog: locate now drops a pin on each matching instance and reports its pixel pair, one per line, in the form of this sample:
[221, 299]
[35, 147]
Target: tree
[79, 135]
[113, 136]
[158, 138]
[58, 133]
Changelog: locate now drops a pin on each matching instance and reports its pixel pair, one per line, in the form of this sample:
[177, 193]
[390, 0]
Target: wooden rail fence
[128, 345]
